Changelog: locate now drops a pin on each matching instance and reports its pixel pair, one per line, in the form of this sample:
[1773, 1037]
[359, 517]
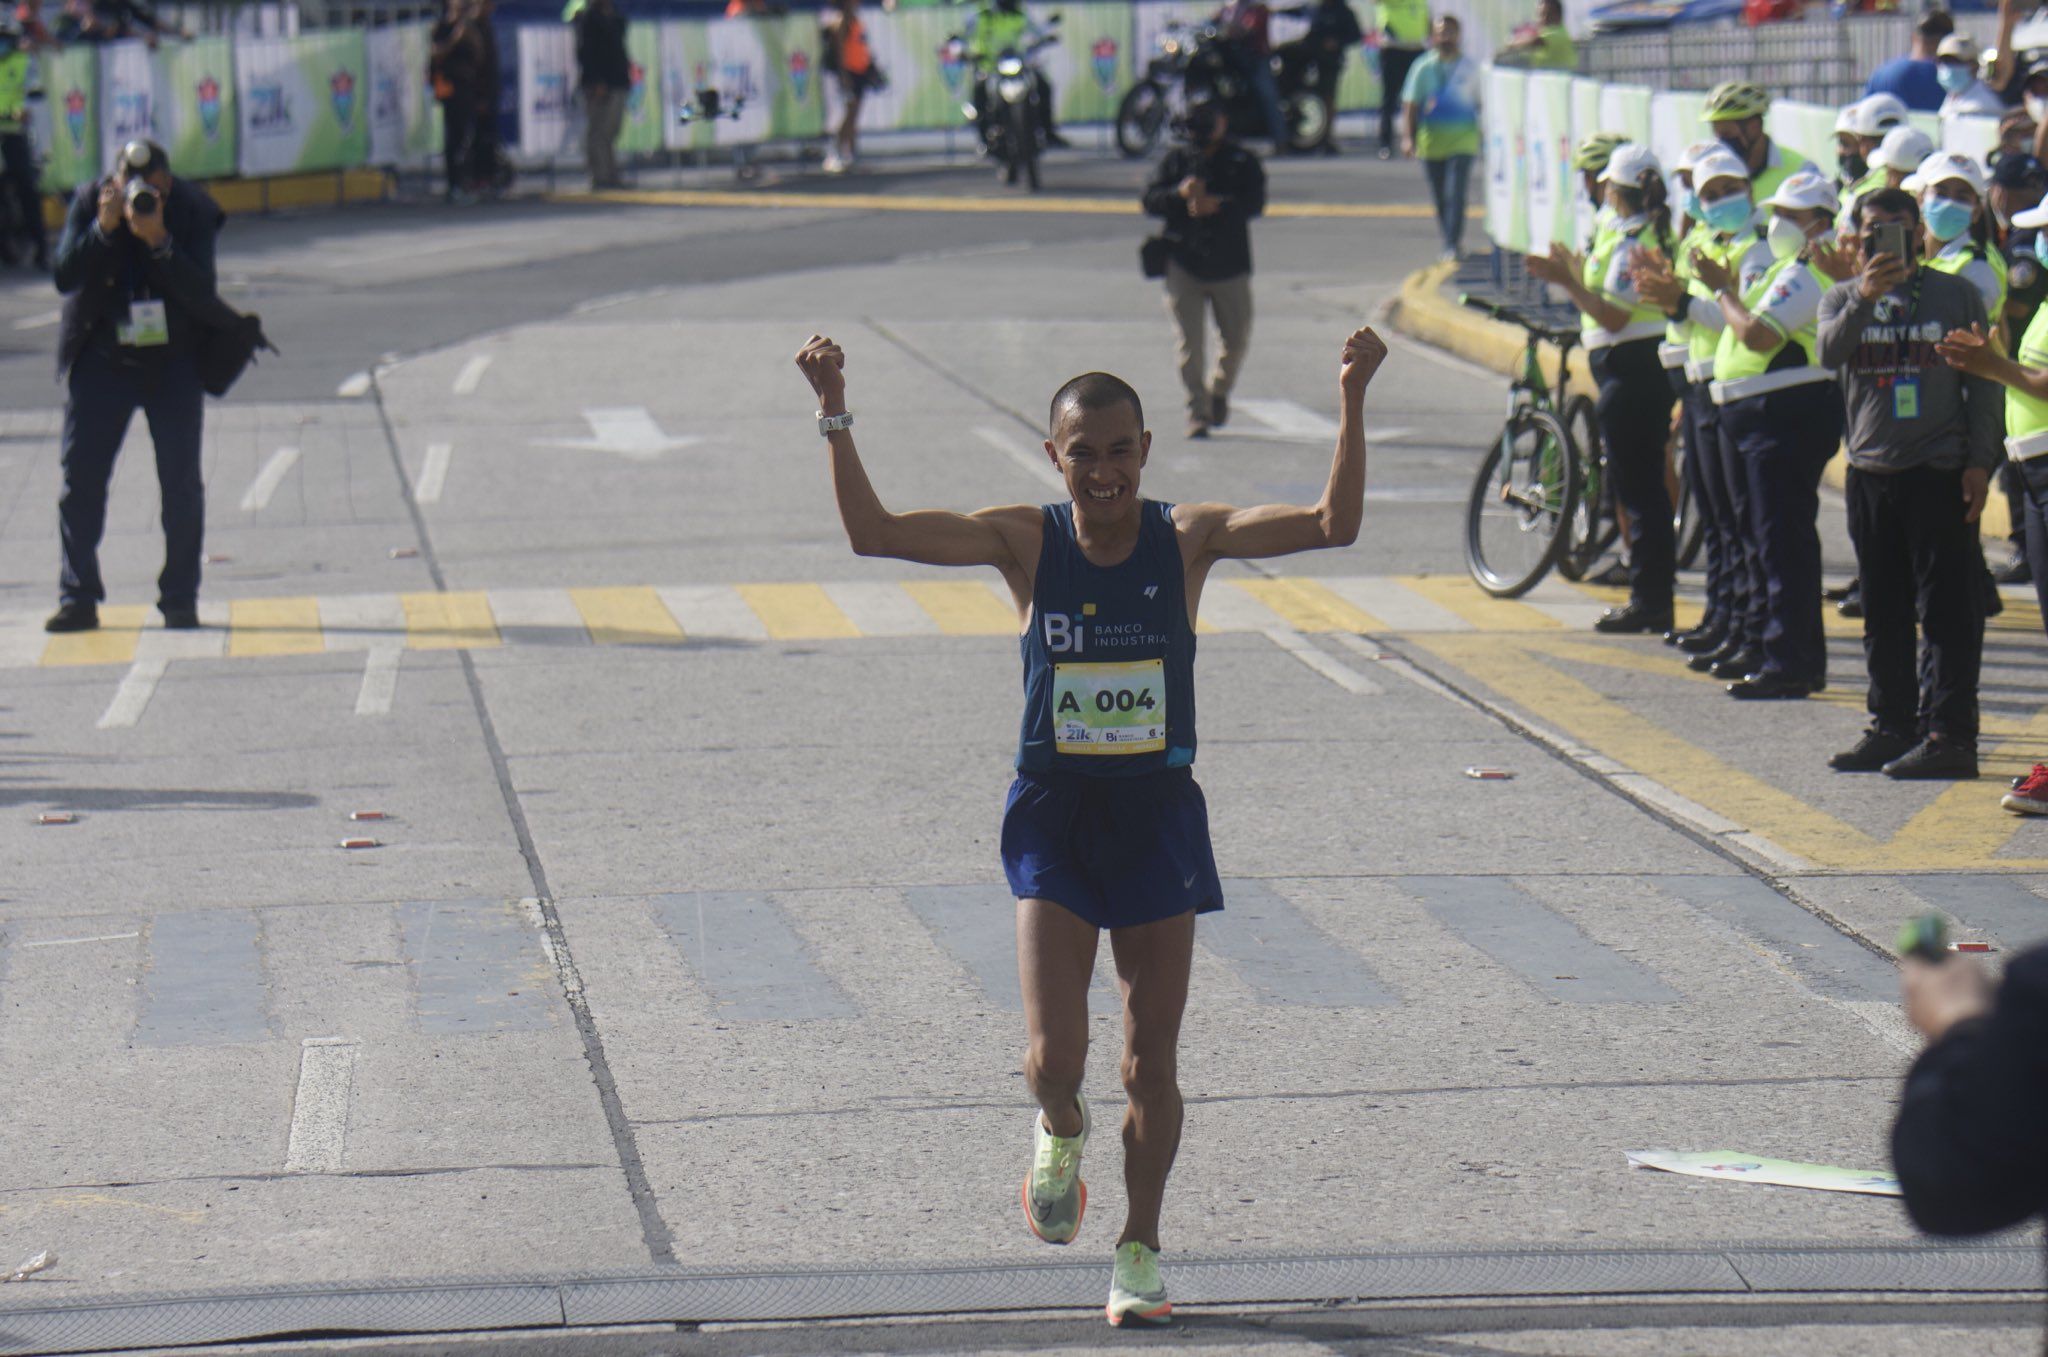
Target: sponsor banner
[767, 68]
[1810, 130]
[1585, 122]
[127, 98]
[195, 106]
[301, 103]
[71, 89]
[1504, 117]
[1551, 215]
[1675, 124]
[547, 88]
[647, 104]
[405, 120]
[1626, 109]
[1090, 66]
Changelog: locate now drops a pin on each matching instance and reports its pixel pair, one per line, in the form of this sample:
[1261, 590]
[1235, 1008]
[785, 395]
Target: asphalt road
[684, 940]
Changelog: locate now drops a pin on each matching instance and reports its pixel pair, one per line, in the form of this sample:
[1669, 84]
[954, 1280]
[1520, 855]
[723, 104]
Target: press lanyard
[1906, 390]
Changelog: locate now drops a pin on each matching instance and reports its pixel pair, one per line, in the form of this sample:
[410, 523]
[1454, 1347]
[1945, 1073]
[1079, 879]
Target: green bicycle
[1540, 499]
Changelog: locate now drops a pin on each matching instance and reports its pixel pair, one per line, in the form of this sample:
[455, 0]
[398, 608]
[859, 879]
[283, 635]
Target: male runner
[1105, 827]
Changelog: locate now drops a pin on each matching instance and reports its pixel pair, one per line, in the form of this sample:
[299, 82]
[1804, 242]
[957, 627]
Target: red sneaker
[2029, 796]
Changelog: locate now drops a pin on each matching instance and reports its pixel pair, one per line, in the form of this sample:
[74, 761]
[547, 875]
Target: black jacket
[1970, 1144]
[1218, 247]
[601, 49]
[97, 274]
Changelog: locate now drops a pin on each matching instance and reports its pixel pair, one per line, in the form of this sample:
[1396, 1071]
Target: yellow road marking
[1459, 595]
[624, 617]
[796, 612]
[460, 621]
[1662, 662]
[963, 607]
[113, 643]
[1685, 612]
[274, 626]
[1037, 204]
[1966, 822]
[1307, 606]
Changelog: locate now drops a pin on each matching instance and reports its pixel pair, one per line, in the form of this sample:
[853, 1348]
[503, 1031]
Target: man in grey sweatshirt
[1923, 439]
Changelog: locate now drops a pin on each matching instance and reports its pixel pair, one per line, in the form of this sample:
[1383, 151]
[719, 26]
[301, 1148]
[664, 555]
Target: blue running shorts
[1117, 851]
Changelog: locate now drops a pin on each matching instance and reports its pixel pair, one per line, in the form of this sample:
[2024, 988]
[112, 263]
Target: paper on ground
[1750, 1168]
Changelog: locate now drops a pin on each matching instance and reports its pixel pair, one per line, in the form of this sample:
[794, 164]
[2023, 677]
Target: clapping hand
[1714, 275]
[1656, 282]
[1839, 259]
[1967, 351]
[1560, 266]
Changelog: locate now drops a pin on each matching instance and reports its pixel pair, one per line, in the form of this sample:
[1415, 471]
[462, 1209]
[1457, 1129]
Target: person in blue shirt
[1916, 79]
[1105, 829]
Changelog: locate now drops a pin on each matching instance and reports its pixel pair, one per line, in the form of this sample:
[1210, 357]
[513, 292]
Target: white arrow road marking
[627, 430]
[434, 474]
[39, 322]
[1343, 675]
[1032, 461]
[133, 695]
[257, 496]
[320, 1109]
[354, 385]
[1293, 420]
[380, 680]
[472, 373]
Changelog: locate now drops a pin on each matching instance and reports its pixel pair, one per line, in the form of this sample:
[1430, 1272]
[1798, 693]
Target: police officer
[1404, 28]
[1622, 333]
[17, 158]
[1735, 112]
[1004, 27]
[1957, 226]
[1715, 193]
[1781, 418]
[1860, 129]
[135, 265]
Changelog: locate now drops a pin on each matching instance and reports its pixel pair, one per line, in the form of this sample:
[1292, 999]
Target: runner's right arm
[999, 537]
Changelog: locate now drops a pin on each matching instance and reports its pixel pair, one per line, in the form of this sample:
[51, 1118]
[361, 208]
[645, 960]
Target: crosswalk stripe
[1826, 960]
[713, 610]
[448, 621]
[1460, 596]
[274, 626]
[113, 642]
[964, 607]
[1398, 607]
[749, 958]
[477, 966]
[2000, 906]
[1282, 957]
[626, 617]
[1224, 608]
[537, 617]
[360, 621]
[22, 642]
[1306, 605]
[879, 608]
[977, 927]
[204, 986]
[1544, 948]
[207, 642]
[796, 612]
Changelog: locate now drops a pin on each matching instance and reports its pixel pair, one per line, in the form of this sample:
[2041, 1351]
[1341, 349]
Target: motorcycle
[1193, 64]
[1010, 126]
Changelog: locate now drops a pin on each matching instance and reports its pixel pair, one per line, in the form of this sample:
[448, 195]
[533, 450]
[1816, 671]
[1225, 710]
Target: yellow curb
[277, 193]
[1421, 311]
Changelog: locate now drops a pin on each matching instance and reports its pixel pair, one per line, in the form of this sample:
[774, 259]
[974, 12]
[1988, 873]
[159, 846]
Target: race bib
[1109, 708]
[146, 327]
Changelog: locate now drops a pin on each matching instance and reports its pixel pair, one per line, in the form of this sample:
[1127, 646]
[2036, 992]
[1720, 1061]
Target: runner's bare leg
[1152, 966]
[1055, 962]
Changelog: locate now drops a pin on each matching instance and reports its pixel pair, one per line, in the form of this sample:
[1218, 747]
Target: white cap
[1903, 149]
[1957, 47]
[1808, 188]
[1946, 165]
[1693, 154]
[1719, 163]
[1628, 164]
[2034, 218]
[1872, 116]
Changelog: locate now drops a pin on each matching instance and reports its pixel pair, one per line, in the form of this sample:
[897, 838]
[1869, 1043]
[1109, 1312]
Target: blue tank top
[1109, 660]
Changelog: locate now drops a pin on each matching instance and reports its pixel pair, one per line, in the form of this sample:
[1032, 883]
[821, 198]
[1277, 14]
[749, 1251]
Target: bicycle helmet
[1595, 151]
[1735, 101]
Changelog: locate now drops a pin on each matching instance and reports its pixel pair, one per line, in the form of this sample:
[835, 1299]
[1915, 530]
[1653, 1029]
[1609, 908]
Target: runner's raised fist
[1363, 354]
[823, 364]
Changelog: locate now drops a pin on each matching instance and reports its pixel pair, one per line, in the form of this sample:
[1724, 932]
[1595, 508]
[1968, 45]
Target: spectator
[1922, 440]
[848, 55]
[1955, 67]
[1440, 126]
[1967, 1141]
[1547, 47]
[604, 75]
[1735, 113]
[1208, 191]
[1903, 150]
[1859, 130]
[2015, 133]
[96, 21]
[1404, 32]
[1332, 32]
[17, 158]
[135, 265]
[488, 166]
[456, 69]
[1246, 26]
[1913, 78]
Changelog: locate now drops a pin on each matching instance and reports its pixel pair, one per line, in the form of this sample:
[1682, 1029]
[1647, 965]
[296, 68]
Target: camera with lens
[143, 199]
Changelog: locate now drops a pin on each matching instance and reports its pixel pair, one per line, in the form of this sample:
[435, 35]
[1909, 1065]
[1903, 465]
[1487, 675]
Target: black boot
[1634, 619]
[74, 617]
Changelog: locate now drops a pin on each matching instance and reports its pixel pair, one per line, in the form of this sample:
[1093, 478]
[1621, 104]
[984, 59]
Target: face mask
[2037, 107]
[1954, 79]
[1785, 238]
[1727, 215]
[1854, 167]
[1946, 219]
[1689, 205]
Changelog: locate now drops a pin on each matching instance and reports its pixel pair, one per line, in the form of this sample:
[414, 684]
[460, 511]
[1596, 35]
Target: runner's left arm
[1221, 532]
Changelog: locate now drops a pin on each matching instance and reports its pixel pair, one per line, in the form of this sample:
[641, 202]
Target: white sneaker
[1136, 1293]
[834, 165]
[1055, 1198]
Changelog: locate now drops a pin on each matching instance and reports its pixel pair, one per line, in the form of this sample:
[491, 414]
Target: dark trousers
[1749, 588]
[1634, 413]
[2031, 478]
[1919, 563]
[1394, 64]
[458, 127]
[18, 170]
[1784, 440]
[1449, 178]
[1720, 533]
[104, 398]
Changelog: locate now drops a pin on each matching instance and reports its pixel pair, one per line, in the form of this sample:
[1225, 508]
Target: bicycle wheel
[1593, 526]
[1521, 504]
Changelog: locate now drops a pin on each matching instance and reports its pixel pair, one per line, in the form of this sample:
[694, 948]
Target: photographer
[135, 265]
[1208, 190]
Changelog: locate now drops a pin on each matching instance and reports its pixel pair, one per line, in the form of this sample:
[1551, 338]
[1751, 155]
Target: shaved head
[1093, 391]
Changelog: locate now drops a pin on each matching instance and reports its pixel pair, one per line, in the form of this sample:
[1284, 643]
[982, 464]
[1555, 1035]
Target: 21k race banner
[195, 106]
[71, 88]
[405, 121]
[127, 98]
[301, 103]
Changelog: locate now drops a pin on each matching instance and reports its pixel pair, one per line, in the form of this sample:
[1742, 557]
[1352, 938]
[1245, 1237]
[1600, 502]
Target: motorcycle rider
[1244, 27]
[1333, 31]
[998, 27]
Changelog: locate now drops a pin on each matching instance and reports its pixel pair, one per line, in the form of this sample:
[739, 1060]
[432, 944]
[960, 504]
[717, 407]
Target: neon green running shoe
[1055, 1198]
[1136, 1294]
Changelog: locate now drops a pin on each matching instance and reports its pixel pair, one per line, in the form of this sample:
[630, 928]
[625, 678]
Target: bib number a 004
[1109, 708]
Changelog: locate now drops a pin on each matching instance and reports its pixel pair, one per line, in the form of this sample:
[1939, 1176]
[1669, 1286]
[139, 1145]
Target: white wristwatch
[831, 424]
